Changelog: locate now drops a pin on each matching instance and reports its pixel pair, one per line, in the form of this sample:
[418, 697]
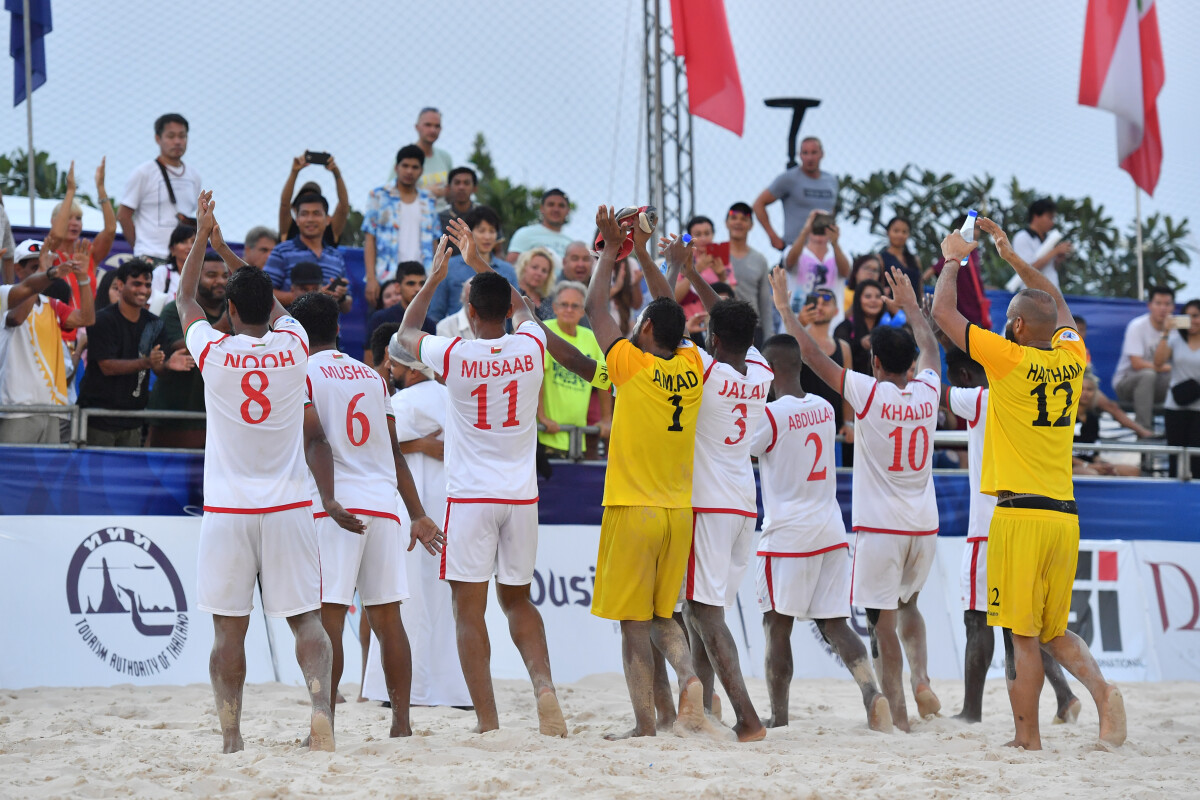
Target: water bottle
[968, 233]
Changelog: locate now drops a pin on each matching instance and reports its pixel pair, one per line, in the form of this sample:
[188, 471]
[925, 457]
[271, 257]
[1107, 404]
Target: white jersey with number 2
[491, 425]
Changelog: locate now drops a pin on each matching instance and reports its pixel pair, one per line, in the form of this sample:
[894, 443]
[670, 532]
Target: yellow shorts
[1031, 559]
[642, 560]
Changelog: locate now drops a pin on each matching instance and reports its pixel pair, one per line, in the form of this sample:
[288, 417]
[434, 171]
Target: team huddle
[304, 495]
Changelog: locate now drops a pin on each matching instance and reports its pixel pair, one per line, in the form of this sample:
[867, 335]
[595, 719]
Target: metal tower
[668, 123]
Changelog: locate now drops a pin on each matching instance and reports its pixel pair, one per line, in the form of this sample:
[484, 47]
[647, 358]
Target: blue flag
[39, 26]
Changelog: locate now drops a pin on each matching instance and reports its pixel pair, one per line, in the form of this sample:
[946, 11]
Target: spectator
[260, 241]
[164, 282]
[535, 278]
[709, 264]
[461, 185]
[457, 325]
[67, 225]
[547, 232]
[750, 268]
[184, 391]
[867, 312]
[161, 193]
[410, 277]
[1027, 243]
[577, 264]
[437, 162]
[389, 291]
[697, 326]
[972, 299]
[1137, 380]
[817, 316]
[898, 254]
[124, 345]
[400, 224]
[485, 230]
[379, 352]
[626, 296]
[107, 293]
[816, 261]
[866, 267]
[312, 217]
[335, 224]
[33, 365]
[7, 244]
[1181, 350]
[1091, 403]
[801, 189]
[565, 396]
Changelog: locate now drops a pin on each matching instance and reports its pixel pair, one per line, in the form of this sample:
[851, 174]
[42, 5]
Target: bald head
[1034, 316]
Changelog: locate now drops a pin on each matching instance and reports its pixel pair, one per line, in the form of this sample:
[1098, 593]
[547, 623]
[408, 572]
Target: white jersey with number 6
[254, 399]
[352, 401]
[732, 409]
[491, 426]
[797, 468]
[893, 453]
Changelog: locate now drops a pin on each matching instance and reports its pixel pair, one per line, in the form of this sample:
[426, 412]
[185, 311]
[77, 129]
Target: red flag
[1122, 72]
[701, 34]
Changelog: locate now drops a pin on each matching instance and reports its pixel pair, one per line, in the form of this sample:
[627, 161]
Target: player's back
[352, 401]
[893, 453]
[971, 404]
[730, 412]
[254, 393]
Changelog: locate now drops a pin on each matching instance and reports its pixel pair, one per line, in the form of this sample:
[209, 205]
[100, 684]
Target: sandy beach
[163, 742]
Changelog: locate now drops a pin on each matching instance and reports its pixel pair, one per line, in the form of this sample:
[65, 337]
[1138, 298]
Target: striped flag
[1122, 72]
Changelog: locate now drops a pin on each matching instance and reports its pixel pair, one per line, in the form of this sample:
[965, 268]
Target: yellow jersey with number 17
[653, 436]
[1032, 400]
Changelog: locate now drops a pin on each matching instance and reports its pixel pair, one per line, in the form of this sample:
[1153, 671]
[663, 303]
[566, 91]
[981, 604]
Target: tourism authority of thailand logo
[127, 601]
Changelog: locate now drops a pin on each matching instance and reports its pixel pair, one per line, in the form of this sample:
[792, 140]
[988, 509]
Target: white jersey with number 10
[491, 425]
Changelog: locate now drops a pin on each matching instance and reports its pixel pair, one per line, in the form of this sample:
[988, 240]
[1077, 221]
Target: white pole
[1141, 278]
[29, 107]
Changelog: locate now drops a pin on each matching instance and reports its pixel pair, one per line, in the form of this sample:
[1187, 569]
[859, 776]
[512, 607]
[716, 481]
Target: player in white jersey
[353, 403]
[724, 507]
[803, 558]
[257, 508]
[895, 515]
[491, 524]
[967, 400]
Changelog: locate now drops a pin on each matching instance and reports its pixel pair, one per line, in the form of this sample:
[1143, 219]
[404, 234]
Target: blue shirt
[290, 253]
[446, 297]
[394, 314]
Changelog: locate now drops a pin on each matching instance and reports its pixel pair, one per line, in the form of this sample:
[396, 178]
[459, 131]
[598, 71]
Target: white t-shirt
[352, 401]
[254, 393]
[1141, 339]
[164, 285]
[153, 214]
[722, 476]
[491, 426]
[1026, 245]
[796, 467]
[408, 231]
[893, 453]
[31, 357]
[421, 410]
[971, 405]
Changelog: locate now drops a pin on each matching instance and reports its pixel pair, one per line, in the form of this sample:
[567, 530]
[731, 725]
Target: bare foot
[928, 704]
[1112, 717]
[666, 722]
[399, 731]
[479, 728]
[752, 731]
[630, 734]
[900, 723]
[340, 698]
[362, 699]
[550, 716]
[772, 722]
[233, 744]
[879, 714]
[320, 735]
[692, 720]
[716, 707]
[1025, 745]
[1069, 713]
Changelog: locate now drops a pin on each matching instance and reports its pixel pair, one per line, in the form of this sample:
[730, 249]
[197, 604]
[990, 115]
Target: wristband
[84, 282]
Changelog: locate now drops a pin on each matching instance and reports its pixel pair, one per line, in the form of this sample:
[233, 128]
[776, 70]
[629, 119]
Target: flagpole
[29, 157]
[1141, 279]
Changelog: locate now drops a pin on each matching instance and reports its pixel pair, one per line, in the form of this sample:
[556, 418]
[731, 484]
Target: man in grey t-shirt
[750, 268]
[802, 189]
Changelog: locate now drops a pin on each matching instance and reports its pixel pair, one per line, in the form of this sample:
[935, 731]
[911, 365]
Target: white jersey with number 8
[254, 399]
[491, 427]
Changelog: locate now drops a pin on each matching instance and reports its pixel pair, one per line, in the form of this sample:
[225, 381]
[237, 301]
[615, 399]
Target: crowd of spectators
[122, 333]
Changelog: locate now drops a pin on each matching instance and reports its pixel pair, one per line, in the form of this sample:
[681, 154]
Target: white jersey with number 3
[731, 411]
[893, 453]
[352, 401]
[254, 399]
[491, 426]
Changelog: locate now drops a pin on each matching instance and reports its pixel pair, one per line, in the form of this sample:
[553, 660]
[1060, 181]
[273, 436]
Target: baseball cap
[306, 273]
[398, 353]
[30, 248]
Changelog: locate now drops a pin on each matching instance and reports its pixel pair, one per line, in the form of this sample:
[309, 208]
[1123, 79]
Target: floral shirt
[382, 221]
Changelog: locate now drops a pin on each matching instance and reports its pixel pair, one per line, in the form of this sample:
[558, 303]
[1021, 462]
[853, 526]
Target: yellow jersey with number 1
[653, 436]
[1032, 401]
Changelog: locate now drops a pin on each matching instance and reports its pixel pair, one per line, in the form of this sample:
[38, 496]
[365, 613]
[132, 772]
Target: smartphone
[316, 157]
[811, 300]
[822, 223]
[1180, 322]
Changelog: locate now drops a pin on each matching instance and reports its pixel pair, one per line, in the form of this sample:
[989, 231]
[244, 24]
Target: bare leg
[664, 697]
[850, 650]
[637, 658]
[668, 638]
[1068, 703]
[981, 646]
[315, 656]
[529, 635]
[1070, 651]
[227, 670]
[333, 619]
[889, 662]
[714, 636]
[364, 641]
[777, 629]
[700, 660]
[397, 662]
[912, 634]
[475, 650]
[1024, 689]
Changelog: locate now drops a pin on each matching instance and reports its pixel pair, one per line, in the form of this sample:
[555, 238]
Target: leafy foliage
[49, 182]
[516, 204]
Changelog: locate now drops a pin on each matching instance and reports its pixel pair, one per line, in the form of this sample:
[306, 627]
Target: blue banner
[39, 26]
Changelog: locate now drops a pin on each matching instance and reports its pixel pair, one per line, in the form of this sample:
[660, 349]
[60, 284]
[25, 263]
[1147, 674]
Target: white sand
[163, 741]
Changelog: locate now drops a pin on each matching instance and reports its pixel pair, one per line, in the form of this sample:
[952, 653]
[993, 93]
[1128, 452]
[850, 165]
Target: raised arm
[341, 211]
[185, 299]
[677, 252]
[58, 225]
[86, 313]
[656, 282]
[1033, 278]
[902, 291]
[793, 254]
[945, 294]
[414, 316]
[285, 199]
[596, 304]
[460, 234]
[102, 244]
[810, 351]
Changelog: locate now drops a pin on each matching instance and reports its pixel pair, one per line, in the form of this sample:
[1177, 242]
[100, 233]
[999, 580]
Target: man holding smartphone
[312, 217]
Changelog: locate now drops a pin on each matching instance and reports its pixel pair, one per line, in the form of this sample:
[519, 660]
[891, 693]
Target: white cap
[30, 248]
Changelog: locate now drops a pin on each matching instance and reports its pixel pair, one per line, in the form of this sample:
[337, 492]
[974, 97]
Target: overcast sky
[960, 87]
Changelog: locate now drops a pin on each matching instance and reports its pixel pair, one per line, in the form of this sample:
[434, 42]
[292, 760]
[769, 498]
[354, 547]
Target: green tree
[516, 204]
[49, 182]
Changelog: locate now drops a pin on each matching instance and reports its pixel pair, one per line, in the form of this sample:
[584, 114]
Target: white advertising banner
[1170, 573]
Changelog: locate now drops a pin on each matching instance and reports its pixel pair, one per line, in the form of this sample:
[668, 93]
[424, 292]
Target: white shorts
[974, 576]
[889, 568]
[280, 547]
[806, 587]
[721, 547]
[373, 562]
[486, 539]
